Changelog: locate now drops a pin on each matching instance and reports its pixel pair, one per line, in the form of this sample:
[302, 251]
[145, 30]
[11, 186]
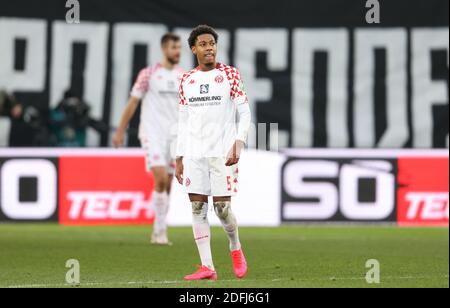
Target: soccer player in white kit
[157, 88]
[209, 145]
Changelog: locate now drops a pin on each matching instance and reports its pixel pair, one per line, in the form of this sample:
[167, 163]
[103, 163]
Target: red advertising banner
[111, 187]
[104, 191]
[422, 196]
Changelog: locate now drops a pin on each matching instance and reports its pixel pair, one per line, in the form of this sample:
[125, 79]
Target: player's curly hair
[199, 30]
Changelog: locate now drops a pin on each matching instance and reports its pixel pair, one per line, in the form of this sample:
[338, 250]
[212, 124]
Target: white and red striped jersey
[209, 105]
[157, 87]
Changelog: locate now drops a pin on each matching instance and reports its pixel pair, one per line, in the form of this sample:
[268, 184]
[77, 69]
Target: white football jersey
[208, 112]
[157, 87]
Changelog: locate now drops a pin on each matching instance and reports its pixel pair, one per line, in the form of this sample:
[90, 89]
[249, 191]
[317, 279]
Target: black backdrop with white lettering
[315, 67]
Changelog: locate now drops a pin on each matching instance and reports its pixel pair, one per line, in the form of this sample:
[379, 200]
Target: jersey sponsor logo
[219, 79]
[192, 81]
[205, 99]
[173, 92]
[204, 89]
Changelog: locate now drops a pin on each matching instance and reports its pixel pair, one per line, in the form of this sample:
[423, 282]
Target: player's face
[205, 49]
[172, 51]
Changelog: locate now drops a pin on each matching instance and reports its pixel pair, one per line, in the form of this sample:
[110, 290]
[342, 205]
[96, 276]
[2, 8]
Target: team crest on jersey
[204, 89]
[219, 79]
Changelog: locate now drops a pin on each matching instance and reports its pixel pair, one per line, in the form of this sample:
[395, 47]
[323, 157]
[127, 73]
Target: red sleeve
[238, 94]
[183, 100]
[142, 85]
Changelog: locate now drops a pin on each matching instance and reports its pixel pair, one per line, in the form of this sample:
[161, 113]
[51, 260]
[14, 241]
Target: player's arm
[128, 114]
[183, 119]
[140, 88]
[245, 118]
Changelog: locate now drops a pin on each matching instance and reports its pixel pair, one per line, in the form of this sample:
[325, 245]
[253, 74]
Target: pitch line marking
[168, 282]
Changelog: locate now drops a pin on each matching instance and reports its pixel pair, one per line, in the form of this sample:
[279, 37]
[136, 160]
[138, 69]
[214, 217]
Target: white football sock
[161, 204]
[229, 223]
[202, 232]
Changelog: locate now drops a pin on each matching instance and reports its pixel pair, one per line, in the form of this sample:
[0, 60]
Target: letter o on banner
[383, 205]
[45, 174]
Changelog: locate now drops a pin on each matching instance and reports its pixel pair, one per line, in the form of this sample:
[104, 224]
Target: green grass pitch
[33, 255]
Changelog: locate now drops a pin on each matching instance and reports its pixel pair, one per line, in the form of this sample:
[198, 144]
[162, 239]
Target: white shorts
[158, 154]
[210, 177]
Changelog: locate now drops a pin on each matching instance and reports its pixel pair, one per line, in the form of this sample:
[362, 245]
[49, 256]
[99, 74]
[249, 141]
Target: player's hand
[179, 170]
[235, 153]
[118, 139]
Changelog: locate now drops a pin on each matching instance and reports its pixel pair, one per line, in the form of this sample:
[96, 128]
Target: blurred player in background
[209, 146]
[157, 88]
[9, 106]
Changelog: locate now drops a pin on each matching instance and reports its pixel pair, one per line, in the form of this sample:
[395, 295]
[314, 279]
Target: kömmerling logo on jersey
[205, 99]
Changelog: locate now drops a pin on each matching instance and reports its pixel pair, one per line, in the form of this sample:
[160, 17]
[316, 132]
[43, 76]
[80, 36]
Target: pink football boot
[239, 263]
[203, 273]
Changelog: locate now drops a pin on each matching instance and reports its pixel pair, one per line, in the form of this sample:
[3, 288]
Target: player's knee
[161, 178]
[161, 182]
[169, 186]
[160, 186]
[199, 209]
[231, 227]
[222, 209]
